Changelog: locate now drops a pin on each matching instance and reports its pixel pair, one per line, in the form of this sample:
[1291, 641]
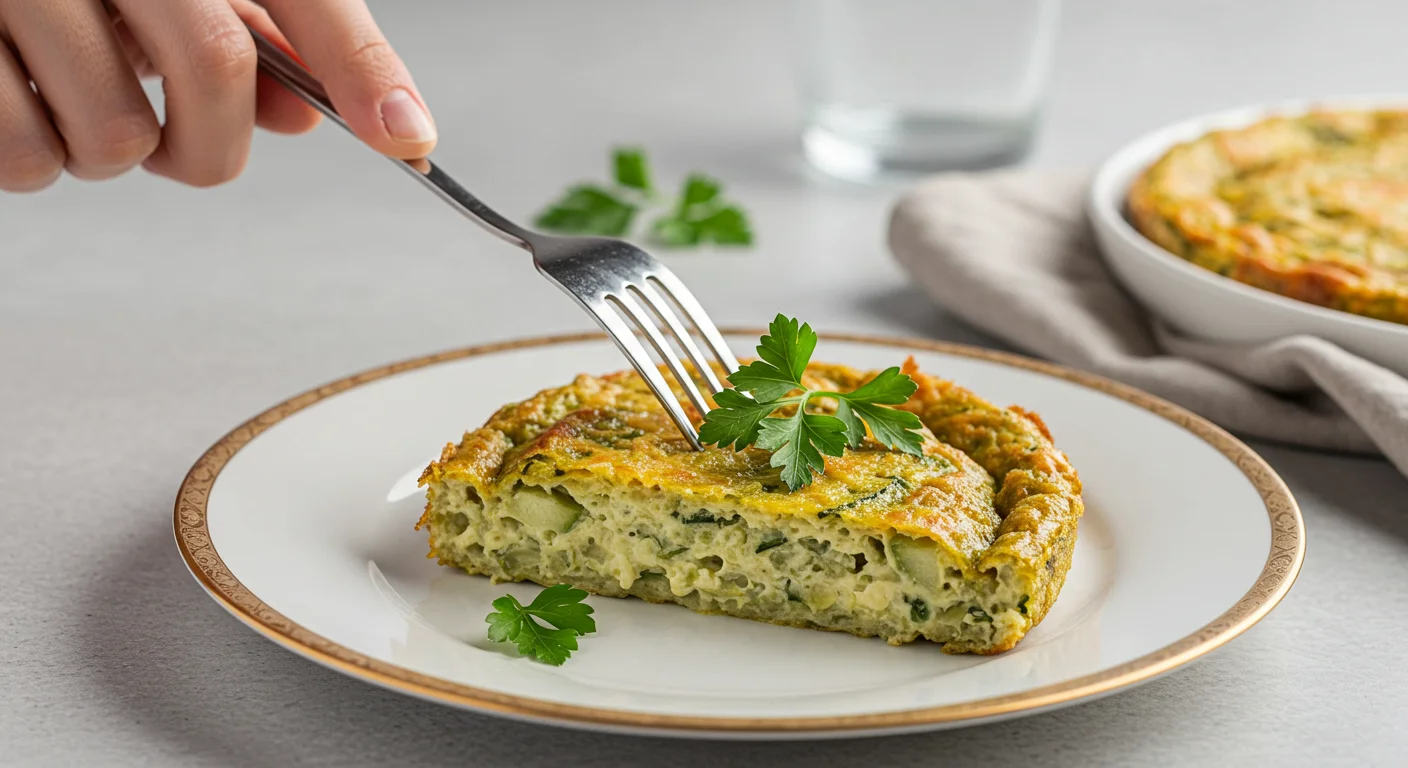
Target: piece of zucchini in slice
[918, 559]
[545, 510]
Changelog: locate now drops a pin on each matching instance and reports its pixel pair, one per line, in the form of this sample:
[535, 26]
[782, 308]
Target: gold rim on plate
[1282, 564]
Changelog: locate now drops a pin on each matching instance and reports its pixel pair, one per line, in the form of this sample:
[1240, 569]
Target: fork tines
[623, 313]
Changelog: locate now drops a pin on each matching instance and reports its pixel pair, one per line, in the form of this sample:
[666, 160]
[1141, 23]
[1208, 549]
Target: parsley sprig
[798, 441]
[701, 214]
[560, 606]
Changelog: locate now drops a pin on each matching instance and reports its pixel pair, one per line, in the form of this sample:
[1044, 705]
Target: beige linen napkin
[1012, 254]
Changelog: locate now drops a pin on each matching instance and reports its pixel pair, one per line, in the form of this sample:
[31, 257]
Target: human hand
[86, 112]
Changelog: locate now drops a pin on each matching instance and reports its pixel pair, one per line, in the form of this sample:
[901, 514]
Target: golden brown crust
[1312, 207]
[1038, 494]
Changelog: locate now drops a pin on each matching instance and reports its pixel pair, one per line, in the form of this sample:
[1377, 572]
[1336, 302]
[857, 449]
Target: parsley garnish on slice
[560, 606]
[799, 441]
[700, 215]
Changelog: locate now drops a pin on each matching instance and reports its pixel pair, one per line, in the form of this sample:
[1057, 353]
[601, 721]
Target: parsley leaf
[702, 216]
[736, 421]
[889, 387]
[799, 441]
[726, 226]
[674, 232]
[788, 347]
[632, 170]
[560, 606]
[588, 210]
[855, 428]
[765, 380]
[890, 426]
[698, 189]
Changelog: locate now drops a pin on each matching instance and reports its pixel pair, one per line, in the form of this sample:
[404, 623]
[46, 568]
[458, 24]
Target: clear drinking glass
[915, 86]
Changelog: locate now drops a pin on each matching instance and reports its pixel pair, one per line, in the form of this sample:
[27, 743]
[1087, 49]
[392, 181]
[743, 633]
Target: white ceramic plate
[300, 522]
[1203, 303]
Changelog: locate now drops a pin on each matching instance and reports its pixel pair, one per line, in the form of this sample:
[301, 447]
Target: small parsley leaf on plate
[799, 440]
[560, 606]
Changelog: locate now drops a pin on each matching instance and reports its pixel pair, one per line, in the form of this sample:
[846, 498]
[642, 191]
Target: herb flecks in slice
[771, 541]
[560, 606]
[800, 440]
[918, 609]
[704, 517]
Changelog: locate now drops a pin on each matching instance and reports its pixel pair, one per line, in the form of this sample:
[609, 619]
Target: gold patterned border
[1282, 564]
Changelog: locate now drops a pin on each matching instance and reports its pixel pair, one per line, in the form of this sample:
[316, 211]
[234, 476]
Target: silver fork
[612, 280]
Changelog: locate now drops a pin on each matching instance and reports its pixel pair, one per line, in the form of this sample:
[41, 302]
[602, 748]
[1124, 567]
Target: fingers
[276, 109]
[98, 107]
[207, 62]
[365, 79]
[31, 152]
[91, 116]
[136, 57]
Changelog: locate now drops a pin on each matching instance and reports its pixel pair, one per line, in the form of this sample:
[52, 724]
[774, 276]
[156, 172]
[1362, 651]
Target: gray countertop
[140, 320]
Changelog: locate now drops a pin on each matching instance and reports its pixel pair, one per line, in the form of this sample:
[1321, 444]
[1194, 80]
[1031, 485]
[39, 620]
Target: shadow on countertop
[175, 667]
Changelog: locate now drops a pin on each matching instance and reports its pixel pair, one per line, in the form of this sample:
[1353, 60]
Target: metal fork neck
[612, 280]
[290, 74]
[460, 198]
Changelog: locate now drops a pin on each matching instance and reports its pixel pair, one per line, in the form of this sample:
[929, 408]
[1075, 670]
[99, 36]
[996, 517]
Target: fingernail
[405, 119]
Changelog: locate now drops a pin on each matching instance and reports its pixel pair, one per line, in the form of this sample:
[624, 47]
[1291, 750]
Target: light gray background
[139, 321]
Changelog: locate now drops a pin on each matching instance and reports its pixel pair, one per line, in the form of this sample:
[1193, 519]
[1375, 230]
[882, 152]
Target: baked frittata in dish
[1314, 207]
[590, 484]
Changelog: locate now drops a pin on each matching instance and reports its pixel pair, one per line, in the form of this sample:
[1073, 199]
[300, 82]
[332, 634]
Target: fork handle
[291, 75]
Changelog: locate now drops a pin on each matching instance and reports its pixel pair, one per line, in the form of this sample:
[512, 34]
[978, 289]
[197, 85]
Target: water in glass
[915, 86]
